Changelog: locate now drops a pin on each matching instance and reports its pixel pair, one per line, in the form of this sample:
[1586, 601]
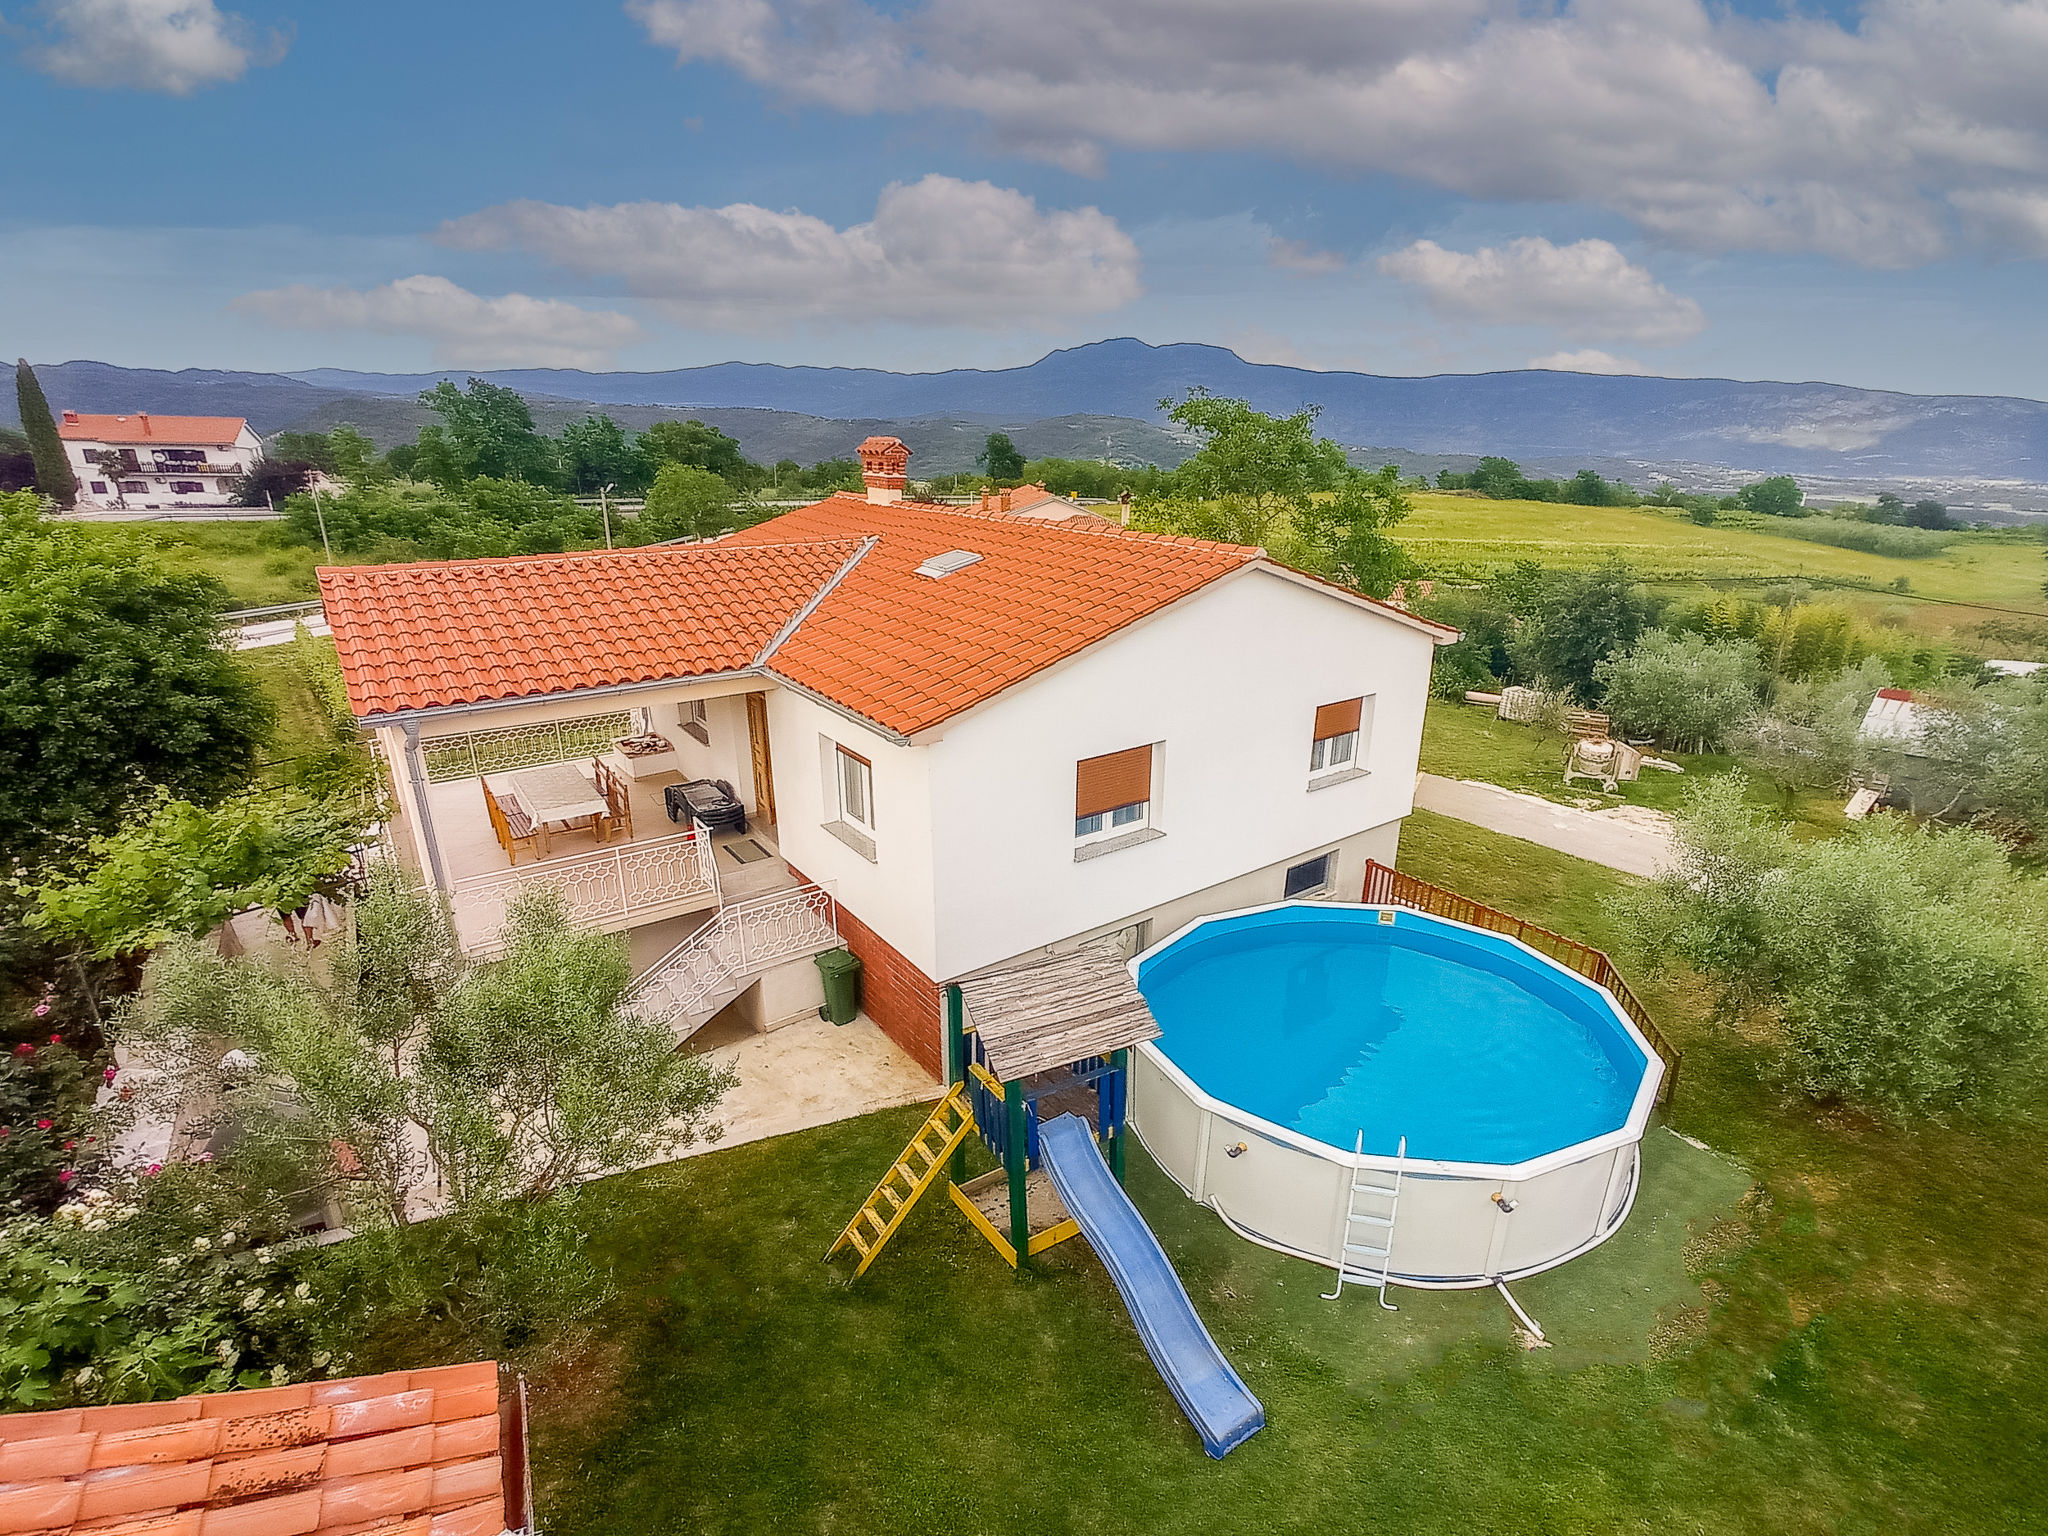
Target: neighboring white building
[147, 462]
[985, 736]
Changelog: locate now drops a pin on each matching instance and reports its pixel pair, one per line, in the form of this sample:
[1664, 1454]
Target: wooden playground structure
[1022, 1047]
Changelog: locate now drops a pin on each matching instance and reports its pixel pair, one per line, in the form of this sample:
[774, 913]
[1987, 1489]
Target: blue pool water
[1328, 1022]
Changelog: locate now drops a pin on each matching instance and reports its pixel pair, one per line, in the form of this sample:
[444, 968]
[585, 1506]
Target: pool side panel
[1288, 1192]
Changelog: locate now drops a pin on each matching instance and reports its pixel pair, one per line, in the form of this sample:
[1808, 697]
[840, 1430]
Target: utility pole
[322, 516]
[605, 506]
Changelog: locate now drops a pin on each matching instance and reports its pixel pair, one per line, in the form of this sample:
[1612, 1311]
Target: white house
[961, 738]
[146, 461]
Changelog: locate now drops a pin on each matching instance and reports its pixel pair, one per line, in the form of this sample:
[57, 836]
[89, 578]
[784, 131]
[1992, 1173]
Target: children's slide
[1216, 1401]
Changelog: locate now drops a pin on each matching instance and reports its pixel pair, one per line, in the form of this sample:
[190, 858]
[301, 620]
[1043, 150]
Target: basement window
[945, 565]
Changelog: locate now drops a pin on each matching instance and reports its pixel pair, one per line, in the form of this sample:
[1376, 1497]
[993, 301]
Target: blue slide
[1216, 1401]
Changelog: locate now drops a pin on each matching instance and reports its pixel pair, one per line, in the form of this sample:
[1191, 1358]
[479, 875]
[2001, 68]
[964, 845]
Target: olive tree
[1901, 967]
[1683, 689]
[415, 1076]
[1810, 737]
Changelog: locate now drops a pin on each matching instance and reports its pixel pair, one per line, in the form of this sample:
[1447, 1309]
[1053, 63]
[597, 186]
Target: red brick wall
[901, 999]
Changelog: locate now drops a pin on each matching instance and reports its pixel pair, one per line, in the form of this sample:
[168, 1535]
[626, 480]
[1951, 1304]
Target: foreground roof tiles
[477, 631]
[412, 1453]
[143, 427]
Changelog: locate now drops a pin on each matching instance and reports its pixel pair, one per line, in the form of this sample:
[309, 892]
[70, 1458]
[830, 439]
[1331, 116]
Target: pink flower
[69, 1145]
[155, 1169]
[55, 1039]
[24, 1049]
[66, 1176]
[111, 1073]
[4, 1131]
[40, 1010]
[43, 1125]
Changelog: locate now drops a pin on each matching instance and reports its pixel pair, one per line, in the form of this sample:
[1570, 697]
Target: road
[1630, 839]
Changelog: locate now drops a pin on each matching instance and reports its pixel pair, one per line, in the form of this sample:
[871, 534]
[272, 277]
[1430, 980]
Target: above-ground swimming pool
[1289, 1032]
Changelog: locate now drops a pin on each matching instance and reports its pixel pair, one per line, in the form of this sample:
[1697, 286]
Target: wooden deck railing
[1386, 887]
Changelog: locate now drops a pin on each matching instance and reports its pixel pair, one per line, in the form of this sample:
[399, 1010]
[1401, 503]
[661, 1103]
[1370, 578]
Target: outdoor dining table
[557, 794]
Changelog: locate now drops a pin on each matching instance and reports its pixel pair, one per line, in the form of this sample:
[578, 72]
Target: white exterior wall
[1227, 683]
[246, 450]
[892, 894]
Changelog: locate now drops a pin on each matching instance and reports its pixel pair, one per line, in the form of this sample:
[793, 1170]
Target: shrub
[1870, 538]
[117, 1299]
[1901, 965]
[1459, 670]
[1685, 690]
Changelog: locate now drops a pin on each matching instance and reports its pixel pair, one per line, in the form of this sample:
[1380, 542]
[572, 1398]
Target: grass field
[1465, 537]
[1862, 1346]
[252, 560]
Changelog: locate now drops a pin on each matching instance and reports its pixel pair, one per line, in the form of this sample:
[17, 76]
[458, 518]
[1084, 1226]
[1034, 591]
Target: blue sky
[1850, 192]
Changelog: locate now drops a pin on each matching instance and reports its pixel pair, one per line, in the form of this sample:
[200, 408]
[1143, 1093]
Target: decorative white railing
[606, 889]
[746, 937]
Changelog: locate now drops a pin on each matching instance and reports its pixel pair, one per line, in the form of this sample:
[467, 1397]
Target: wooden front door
[764, 768]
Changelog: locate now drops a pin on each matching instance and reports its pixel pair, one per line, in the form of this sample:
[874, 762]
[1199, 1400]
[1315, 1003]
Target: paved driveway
[1630, 839]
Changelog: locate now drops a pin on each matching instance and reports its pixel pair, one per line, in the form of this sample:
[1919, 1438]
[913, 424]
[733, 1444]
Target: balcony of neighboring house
[582, 804]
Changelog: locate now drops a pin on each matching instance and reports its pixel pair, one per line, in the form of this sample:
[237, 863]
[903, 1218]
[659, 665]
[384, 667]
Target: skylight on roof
[945, 565]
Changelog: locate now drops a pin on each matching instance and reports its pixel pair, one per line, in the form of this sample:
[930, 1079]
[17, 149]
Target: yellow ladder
[920, 1167]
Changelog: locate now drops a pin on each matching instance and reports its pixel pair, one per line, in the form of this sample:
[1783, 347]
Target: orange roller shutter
[1338, 719]
[1118, 778]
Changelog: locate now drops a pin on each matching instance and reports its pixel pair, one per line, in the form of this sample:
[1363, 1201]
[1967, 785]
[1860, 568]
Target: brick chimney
[884, 466]
[143, 417]
[71, 418]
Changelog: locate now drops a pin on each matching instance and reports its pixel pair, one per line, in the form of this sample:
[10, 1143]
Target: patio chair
[512, 825]
[618, 797]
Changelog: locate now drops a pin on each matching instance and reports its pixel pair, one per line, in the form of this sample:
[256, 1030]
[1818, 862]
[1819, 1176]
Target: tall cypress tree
[53, 470]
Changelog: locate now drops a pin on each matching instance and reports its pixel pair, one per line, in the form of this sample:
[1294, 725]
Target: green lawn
[303, 749]
[1861, 1346]
[1466, 741]
[253, 561]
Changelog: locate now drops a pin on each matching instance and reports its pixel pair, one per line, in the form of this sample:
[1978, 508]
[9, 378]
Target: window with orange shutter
[1113, 793]
[1335, 745]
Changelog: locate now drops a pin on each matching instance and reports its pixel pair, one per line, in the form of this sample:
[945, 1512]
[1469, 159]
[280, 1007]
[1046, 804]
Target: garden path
[1629, 838]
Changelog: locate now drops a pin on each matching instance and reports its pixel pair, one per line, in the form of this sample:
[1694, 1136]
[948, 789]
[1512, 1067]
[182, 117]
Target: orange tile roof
[412, 1453]
[908, 651]
[475, 631]
[903, 650]
[146, 427]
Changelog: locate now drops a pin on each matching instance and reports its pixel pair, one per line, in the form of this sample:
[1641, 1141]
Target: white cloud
[1714, 130]
[1298, 256]
[1587, 360]
[937, 252]
[466, 329]
[1587, 290]
[174, 46]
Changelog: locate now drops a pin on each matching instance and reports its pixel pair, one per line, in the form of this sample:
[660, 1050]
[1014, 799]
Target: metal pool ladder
[1369, 1225]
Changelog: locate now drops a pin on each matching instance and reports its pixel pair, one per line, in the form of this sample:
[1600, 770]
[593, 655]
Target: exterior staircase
[710, 968]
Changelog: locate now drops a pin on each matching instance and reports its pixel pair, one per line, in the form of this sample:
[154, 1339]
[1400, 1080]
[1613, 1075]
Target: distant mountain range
[1988, 450]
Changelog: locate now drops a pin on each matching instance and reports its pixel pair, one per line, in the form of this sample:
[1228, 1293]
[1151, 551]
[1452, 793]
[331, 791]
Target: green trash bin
[839, 969]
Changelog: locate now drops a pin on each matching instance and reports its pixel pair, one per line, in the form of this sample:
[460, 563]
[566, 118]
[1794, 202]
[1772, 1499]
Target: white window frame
[1135, 817]
[1333, 754]
[695, 720]
[843, 761]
